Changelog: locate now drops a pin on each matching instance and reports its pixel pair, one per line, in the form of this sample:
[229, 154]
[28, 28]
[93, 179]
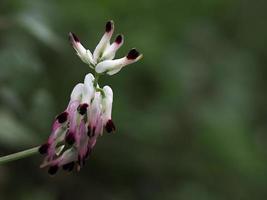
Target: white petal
[108, 65]
[110, 52]
[107, 103]
[85, 55]
[76, 93]
[113, 66]
[104, 42]
[88, 89]
[68, 156]
[95, 111]
[89, 78]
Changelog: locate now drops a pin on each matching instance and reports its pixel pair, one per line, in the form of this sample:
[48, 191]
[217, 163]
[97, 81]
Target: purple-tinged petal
[68, 156]
[70, 138]
[82, 144]
[63, 117]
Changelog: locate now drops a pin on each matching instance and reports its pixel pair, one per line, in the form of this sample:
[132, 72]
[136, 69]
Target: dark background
[191, 115]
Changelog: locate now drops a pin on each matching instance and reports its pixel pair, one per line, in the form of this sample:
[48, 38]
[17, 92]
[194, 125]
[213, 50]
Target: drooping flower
[76, 130]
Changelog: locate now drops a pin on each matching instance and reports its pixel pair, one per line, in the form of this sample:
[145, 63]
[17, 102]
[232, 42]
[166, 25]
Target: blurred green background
[191, 115]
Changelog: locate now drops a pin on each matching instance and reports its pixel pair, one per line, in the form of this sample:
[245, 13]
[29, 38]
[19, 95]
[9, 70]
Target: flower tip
[133, 54]
[119, 39]
[73, 37]
[61, 118]
[109, 26]
[70, 138]
[43, 148]
[110, 126]
[82, 108]
[53, 170]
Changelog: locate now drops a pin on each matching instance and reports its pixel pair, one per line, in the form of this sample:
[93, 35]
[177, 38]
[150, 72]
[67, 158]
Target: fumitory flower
[75, 131]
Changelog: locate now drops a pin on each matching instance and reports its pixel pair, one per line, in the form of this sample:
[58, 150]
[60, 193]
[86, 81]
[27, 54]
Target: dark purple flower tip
[70, 138]
[74, 37]
[61, 118]
[82, 109]
[53, 170]
[69, 166]
[118, 39]
[133, 54]
[43, 149]
[110, 126]
[109, 26]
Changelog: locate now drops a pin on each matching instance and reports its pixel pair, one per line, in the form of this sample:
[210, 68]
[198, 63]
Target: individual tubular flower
[102, 58]
[107, 109]
[112, 67]
[104, 42]
[85, 54]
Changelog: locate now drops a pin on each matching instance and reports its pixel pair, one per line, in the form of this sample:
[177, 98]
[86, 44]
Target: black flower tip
[70, 139]
[61, 118]
[53, 170]
[43, 148]
[82, 109]
[74, 37]
[68, 166]
[118, 39]
[133, 54]
[110, 126]
[109, 26]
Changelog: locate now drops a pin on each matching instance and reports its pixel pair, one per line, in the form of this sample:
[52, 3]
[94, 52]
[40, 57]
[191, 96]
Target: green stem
[19, 155]
[96, 80]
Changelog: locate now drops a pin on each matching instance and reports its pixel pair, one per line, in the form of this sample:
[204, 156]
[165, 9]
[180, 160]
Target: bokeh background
[191, 116]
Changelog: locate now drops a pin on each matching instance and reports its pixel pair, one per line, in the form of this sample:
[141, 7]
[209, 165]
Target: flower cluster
[102, 58]
[75, 131]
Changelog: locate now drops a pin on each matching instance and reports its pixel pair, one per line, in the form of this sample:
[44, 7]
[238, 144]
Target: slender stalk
[18, 155]
[96, 79]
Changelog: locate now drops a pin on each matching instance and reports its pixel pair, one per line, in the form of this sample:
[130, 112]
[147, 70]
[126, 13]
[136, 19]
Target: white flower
[85, 55]
[112, 67]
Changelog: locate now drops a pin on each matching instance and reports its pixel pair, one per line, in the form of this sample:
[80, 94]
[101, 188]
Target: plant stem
[96, 80]
[19, 155]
